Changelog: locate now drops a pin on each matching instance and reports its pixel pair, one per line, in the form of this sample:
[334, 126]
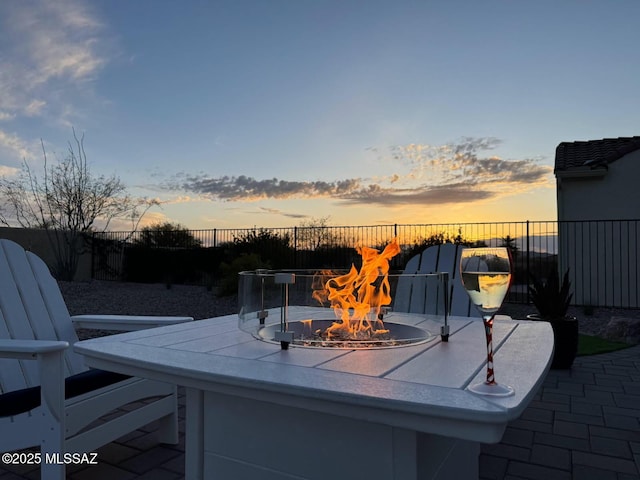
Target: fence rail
[602, 256]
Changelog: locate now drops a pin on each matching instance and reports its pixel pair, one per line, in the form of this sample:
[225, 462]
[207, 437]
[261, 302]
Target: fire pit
[256, 411]
[349, 309]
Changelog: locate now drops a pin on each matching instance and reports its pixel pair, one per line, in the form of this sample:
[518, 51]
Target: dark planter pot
[565, 336]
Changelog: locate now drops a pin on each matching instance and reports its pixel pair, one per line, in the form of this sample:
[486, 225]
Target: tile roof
[594, 152]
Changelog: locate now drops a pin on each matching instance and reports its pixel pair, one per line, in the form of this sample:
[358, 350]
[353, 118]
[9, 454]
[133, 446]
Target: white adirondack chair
[37, 368]
[438, 258]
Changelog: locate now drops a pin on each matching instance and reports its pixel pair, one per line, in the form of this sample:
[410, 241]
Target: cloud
[8, 171]
[425, 195]
[49, 48]
[15, 146]
[244, 188]
[182, 199]
[275, 211]
[34, 108]
[456, 172]
[124, 225]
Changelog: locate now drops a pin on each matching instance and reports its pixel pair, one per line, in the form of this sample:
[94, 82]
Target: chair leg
[52, 467]
[52, 450]
[52, 445]
[168, 426]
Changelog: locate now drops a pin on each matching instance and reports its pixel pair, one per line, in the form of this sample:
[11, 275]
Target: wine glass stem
[488, 330]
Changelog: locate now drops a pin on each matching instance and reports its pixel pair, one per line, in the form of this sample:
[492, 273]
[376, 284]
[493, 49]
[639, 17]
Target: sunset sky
[270, 113]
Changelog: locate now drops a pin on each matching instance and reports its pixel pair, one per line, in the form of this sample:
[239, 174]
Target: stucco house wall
[604, 193]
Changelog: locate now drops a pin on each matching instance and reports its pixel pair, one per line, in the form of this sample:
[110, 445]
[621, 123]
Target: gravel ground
[156, 299]
[118, 298]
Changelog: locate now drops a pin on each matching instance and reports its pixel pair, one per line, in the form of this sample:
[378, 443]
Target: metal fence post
[93, 253]
[528, 261]
[295, 247]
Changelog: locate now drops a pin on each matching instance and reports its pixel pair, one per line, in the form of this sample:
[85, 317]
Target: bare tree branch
[69, 202]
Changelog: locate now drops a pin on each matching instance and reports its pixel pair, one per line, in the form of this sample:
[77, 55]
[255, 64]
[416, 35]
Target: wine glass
[486, 275]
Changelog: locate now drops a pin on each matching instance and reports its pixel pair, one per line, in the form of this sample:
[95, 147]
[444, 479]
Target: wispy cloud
[276, 211]
[34, 108]
[456, 172]
[16, 147]
[8, 171]
[48, 47]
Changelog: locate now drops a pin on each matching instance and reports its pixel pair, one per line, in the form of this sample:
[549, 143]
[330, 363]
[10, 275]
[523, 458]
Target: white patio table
[256, 411]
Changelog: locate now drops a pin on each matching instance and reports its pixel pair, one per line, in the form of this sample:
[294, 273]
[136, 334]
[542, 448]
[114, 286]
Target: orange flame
[358, 296]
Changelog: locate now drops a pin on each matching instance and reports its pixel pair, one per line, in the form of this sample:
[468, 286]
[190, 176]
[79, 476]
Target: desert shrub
[272, 247]
[229, 271]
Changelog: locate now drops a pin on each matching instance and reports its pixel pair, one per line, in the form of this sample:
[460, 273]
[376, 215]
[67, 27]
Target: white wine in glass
[486, 275]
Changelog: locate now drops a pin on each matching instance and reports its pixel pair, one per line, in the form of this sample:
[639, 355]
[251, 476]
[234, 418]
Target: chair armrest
[125, 322]
[50, 357]
[29, 349]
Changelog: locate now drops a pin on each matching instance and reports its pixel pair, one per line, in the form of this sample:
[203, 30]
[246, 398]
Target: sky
[274, 113]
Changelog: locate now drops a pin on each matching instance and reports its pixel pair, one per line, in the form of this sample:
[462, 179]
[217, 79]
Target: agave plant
[551, 298]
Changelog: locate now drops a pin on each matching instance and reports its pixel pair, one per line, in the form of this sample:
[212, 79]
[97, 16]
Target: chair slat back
[413, 297]
[31, 307]
[57, 310]
[426, 295]
[404, 290]
[14, 324]
[460, 302]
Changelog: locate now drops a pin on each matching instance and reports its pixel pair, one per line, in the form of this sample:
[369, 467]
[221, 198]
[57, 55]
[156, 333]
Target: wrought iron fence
[602, 256]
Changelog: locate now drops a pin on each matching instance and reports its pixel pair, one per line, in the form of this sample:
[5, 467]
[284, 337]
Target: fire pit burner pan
[278, 306]
[305, 335]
